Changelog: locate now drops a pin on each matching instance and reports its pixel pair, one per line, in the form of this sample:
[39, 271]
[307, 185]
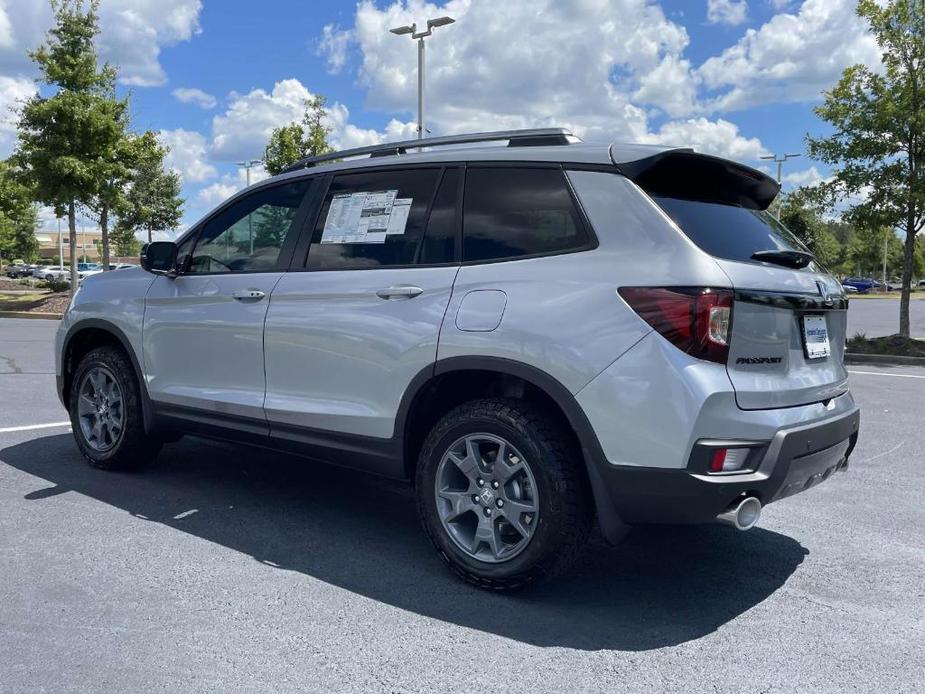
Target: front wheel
[502, 494]
[106, 415]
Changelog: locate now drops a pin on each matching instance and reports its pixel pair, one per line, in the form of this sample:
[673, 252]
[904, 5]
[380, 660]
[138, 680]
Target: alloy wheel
[486, 497]
[100, 409]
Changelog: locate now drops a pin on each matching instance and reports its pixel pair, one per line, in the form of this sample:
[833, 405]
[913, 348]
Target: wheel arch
[423, 404]
[88, 334]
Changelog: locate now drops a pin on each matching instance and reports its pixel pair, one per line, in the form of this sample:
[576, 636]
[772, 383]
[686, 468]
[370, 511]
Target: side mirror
[160, 258]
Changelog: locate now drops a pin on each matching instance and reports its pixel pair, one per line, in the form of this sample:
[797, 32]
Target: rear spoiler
[683, 173]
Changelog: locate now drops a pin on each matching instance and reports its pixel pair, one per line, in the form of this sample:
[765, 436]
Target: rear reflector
[728, 459]
[696, 320]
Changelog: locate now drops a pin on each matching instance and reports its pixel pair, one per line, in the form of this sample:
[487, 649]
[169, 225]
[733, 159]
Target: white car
[52, 272]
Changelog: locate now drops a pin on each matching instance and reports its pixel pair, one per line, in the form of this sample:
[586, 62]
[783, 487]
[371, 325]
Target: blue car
[861, 284]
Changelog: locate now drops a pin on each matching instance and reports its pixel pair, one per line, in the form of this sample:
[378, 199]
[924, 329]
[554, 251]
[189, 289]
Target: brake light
[696, 320]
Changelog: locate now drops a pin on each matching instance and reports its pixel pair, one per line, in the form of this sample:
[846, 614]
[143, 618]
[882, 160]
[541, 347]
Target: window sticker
[398, 219]
[366, 217]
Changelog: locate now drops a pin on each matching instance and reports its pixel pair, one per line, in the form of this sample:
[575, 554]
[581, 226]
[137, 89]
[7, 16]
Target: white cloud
[729, 12]
[187, 155]
[6, 27]
[218, 192]
[334, 44]
[720, 138]
[806, 177]
[242, 131]
[132, 34]
[792, 57]
[191, 95]
[13, 92]
[624, 58]
[212, 195]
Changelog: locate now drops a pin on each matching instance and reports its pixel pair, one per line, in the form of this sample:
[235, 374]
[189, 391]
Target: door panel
[203, 330]
[202, 347]
[339, 357]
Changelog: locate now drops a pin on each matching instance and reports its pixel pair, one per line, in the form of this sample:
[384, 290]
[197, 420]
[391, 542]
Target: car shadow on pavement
[661, 587]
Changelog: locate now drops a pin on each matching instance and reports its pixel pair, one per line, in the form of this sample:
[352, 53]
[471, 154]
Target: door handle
[403, 291]
[248, 294]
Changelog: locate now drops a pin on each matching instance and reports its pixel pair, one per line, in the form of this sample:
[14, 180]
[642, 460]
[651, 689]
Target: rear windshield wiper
[794, 259]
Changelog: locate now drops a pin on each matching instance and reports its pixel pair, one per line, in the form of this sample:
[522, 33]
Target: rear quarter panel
[563, 314]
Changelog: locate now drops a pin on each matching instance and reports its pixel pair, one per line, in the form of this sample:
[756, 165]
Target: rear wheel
[106, 416]
[502, 494]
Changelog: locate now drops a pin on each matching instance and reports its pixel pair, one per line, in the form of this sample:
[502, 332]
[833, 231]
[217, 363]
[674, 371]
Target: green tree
[62, 137]
[151, 201]
[799, 213]
[295, 141]
[115, 169]
[18, 218]
[877, 149]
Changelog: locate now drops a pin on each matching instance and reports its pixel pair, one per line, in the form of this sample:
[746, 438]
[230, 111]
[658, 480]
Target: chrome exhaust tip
[742, 515]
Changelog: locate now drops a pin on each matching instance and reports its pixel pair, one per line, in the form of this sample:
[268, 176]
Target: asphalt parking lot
[223, 568]
[879, 317]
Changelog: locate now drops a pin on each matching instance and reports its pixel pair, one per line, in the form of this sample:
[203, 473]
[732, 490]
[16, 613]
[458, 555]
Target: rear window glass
[729, 231]
[510, 213]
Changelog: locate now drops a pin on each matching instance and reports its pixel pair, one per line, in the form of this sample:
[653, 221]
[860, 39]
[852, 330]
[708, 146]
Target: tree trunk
[72, 235]
[908, 262]
[104, 230]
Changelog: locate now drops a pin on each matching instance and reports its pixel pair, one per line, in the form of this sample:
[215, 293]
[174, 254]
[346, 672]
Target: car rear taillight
[696, 320]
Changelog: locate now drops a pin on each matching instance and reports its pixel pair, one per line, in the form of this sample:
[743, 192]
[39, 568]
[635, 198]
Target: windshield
[729, 231]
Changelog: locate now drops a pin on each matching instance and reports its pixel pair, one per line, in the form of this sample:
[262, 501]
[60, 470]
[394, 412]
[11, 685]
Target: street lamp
[412, 29]
[780, 165]
[248, 164]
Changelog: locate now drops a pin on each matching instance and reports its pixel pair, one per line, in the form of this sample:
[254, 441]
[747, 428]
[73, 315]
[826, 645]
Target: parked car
[18, 271]
[52, 272]
[536, 336]
[862, 284]
[121, 266]
[849, 289]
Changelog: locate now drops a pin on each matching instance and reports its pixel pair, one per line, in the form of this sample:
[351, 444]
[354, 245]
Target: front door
[203, 330]
[347, 333]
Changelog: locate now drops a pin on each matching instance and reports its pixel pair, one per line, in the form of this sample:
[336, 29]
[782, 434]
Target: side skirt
[368, 454]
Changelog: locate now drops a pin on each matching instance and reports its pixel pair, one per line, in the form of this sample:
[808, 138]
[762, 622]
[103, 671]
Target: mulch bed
[53, 303]
[7, 284]
[894, 345]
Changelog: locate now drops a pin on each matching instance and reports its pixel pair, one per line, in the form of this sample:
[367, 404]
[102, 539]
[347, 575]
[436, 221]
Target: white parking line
[878, 373]
[52, 425]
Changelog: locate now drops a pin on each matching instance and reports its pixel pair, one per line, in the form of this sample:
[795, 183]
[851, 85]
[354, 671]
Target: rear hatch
[789, 317]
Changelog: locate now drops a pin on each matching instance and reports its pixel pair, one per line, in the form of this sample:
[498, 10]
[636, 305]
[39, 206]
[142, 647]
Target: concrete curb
[31, 314]
[887, 359]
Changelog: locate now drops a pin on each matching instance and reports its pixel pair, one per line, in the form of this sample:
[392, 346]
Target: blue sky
[733, 77]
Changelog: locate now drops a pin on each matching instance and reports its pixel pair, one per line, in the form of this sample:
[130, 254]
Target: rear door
[203, 330]
[350, 327]
[788, 322]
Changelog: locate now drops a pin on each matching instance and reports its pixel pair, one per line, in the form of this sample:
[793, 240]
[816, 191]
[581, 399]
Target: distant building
[88, 243]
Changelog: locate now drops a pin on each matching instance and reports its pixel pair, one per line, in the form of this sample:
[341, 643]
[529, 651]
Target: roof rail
[516, 138]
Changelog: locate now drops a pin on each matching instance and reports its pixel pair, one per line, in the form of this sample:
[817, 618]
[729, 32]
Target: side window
[512, 212]
[372, 219]
[249, 235]
[440, 238]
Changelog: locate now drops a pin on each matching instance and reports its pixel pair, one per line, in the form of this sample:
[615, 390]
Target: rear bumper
[796, 459]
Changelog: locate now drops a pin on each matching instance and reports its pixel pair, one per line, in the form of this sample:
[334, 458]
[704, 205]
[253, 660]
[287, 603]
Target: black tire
[133, 448]
[566, 507]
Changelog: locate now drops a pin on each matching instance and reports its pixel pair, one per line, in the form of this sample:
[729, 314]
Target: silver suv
[536, 335]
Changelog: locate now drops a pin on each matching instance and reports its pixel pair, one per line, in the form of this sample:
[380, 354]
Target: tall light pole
[419, 36]
[249, 164]
[780, 169]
